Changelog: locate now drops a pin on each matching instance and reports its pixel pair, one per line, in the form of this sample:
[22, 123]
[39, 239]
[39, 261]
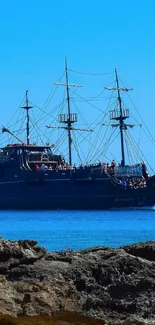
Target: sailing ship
[34, 176]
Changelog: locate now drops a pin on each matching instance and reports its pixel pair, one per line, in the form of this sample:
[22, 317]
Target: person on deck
[43, 168]
[37, 168]
[113, 164]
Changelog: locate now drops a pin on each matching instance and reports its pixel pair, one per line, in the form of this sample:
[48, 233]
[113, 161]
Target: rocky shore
[111, 286]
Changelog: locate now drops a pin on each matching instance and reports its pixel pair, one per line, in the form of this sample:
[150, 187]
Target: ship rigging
[87, 142]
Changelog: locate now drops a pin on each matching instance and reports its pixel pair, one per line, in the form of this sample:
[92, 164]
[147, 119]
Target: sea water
[58, 230]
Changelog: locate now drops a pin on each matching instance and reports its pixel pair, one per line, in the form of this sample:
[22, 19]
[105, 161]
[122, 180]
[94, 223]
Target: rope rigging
[143, 122]
[96, 144]
[92, 74]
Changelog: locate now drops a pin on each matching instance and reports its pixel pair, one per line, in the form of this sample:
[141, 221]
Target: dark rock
[145, 250]
[111, 284]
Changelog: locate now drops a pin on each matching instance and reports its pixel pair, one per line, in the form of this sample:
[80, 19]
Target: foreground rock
[115, 285]
[60, 318]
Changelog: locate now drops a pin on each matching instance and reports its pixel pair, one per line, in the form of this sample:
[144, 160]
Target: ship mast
[68, 118]
[121, 119]
[69, 123]
[27, 107]
[120, 115]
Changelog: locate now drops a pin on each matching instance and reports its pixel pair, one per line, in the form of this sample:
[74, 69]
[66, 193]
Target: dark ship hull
[88, 188]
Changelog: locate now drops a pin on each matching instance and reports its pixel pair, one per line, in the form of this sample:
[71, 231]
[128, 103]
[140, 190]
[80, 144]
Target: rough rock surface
[110, 284]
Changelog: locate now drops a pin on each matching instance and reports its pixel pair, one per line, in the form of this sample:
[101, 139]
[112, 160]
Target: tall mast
[120, 115]
[27, 107]
[68, 118]
[121, 119]
[69, 123]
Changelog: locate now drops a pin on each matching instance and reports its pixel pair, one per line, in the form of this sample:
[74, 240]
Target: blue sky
[95, 36]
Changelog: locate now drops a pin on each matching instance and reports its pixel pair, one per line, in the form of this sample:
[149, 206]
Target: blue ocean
[58, 230]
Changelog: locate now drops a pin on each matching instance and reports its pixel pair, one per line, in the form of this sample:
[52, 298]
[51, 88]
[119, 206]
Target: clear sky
[95, 36]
